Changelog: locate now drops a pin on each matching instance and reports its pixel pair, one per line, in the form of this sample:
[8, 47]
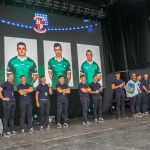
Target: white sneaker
[101, 120]
[95, 120]
[13, 133]
[146, 113]
[41, 128]
[31, 130]
[22, 131]
[139, 115]
[48, 128]
[65, 125]
[88, 123]
[59, 126]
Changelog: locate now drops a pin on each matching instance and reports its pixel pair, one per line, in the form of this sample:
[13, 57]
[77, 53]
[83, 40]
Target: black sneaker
[119, 117]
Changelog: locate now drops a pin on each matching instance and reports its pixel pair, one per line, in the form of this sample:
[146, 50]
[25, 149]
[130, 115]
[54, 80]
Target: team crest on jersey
[39, 24]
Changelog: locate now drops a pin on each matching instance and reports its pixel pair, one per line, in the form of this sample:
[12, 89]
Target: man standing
[84, 91]
[9, 104]
[132, 91]
[118, 85]
[96, 88]
[22, 65]
[24, 90]
[42, 101]
[89, 68]
[146, 87]
[62, 102]
[140, 103]
[58, 66]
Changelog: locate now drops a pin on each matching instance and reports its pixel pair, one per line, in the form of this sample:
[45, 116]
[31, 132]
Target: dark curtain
[126, 36]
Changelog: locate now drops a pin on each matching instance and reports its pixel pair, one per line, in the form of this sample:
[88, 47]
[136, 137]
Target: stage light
[90, 29]
[8, 22]
[35, 117]
[89, 110]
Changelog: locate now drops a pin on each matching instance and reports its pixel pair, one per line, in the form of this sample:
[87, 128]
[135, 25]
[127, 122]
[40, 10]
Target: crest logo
[39, 24]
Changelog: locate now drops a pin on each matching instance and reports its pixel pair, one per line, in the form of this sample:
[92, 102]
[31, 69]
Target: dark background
[126, 48]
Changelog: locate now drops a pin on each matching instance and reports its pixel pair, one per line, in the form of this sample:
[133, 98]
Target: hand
[6, 99]
[121, 85]
[38, 104]
[97, 91]
[101, 89]
[88, 89]
[49, 85]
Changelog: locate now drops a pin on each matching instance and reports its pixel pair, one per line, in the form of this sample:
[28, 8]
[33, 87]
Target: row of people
[43, 102]
[137, 90]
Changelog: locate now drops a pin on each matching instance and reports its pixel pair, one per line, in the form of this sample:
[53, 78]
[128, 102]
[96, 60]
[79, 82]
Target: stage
[112, 134]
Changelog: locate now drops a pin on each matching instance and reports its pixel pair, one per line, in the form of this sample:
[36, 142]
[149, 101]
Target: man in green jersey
[89, 68]
[58, 66]
[22, 65]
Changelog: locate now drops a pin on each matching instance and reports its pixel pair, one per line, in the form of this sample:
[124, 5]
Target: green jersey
[20, 67]
[89, 70]
[58, 68]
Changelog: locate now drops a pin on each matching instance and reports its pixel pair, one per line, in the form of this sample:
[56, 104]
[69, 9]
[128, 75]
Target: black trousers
[120, 102]
[97, 103]
[85, 105]
[62, 107]
[142, 102]
[44, 108]
[25, 108]
[9, 111]
[147, 101]
[134, 104]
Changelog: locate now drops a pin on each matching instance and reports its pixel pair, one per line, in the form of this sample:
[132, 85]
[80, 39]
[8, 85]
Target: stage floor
[113, 134]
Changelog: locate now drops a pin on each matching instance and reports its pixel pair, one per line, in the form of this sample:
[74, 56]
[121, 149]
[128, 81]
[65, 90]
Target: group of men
[137, 90]
[22, 73]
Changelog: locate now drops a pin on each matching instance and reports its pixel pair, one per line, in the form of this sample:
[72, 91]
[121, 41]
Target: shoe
[88, 123]
[139, 115]
[31, 130]
[7, 134]
[22, 131]
[134, 115]
[85, 124]
[95, 120]
[145, 113]
[13, 133]
[59, 126]
[48, 128]
[119, 117]
[41, 128]
[101, 120]
[65, 125]
[123, 116]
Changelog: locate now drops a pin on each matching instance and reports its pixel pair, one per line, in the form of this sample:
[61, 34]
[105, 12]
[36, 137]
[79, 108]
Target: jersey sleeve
[49, 65]
[69, 67]
[82, 69]
[34, 69]
[10, 68]
[98, 70]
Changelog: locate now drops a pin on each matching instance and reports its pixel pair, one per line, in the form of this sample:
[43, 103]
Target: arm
[60, 90]
[145, 89]
[50, 89]
[1, 95]
[37, 98]
[29, 90]
[69, 76]
[50, 72]
[85, 90]
[115, 87]
[67, 91]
